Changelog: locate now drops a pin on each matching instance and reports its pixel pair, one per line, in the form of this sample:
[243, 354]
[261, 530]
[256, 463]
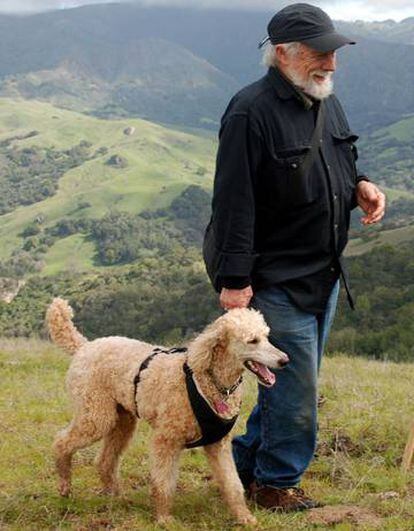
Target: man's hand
[372, 201]
[235, 298]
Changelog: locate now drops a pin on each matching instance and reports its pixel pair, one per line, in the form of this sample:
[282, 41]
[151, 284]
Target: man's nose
[330, 62]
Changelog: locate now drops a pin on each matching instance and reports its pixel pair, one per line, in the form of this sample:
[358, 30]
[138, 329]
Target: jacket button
[294, 165]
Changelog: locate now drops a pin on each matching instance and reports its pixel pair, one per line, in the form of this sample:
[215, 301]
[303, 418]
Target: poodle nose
[284, 360]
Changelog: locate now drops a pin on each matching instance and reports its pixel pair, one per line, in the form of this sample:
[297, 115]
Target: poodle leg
[114, 443]
[164, 458]
[83, 431]
[225, 473]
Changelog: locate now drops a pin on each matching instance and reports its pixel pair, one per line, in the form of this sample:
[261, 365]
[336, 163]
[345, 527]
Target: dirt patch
[339, 442]
[336, 514]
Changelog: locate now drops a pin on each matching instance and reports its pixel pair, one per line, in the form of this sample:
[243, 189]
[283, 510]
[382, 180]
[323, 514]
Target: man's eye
[253, 341]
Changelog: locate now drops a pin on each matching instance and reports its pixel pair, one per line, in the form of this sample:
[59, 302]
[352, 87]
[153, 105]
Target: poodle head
[241, 336]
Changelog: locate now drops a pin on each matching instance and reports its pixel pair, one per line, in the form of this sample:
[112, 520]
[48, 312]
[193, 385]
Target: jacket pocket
[347, 153]
[289, 184]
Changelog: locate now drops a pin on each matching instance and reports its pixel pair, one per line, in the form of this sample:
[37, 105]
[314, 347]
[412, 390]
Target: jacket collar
[285, 89]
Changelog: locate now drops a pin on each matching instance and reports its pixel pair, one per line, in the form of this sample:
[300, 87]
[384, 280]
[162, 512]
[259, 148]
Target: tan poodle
[108, 398]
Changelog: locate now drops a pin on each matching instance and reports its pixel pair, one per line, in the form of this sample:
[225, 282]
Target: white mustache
[322, 73]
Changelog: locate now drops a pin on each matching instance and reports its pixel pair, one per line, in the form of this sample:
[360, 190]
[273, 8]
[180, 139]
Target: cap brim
[328, 42]
[263, 42]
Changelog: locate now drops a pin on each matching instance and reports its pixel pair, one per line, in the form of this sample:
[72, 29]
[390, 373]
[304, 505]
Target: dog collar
[225, 391]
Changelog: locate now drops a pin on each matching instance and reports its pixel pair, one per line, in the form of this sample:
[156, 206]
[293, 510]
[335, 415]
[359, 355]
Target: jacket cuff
[235, 264]
[233, 282]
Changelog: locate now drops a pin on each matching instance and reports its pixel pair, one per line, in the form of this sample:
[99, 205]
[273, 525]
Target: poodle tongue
[221, 407]
[266, 376]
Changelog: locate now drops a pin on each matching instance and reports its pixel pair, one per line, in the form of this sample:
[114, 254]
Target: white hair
[269, 57]
[307, 84]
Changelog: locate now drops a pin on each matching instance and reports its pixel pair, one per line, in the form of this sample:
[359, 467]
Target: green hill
[387, 155]
[156, 165]
[145, 170]
[359, 246]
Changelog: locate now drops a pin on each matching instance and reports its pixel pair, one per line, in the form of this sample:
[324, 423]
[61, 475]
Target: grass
[73, 253]
[363, 427]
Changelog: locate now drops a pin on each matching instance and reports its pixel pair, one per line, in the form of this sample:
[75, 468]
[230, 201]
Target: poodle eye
[253, 341]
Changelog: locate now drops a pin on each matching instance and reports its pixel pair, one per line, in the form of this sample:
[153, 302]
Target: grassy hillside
[159, 164]
[156, 165]
[359, 246]
[363, 428]
[388, 153]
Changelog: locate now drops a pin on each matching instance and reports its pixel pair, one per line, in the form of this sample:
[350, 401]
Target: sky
[337, 9]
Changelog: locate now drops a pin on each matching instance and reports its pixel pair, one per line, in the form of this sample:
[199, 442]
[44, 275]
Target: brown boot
[283, 500]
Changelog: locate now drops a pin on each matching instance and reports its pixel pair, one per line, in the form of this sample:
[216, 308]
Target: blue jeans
[280, 438]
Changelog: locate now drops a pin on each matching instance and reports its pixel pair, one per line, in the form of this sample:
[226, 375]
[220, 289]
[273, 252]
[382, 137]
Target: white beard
[319, 91]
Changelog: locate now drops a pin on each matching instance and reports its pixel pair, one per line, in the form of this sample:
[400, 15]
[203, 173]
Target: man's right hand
[235, 298]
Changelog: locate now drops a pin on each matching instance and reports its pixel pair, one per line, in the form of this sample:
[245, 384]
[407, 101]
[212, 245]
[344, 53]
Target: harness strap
[146, 362]
[213, 427]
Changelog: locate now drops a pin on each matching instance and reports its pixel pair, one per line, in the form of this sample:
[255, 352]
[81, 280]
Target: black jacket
[270, 223]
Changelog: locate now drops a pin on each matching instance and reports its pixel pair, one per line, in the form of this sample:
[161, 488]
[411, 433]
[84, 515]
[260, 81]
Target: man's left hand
[372, 201]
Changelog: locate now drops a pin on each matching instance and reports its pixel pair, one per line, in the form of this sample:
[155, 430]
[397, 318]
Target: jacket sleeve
[238, 158]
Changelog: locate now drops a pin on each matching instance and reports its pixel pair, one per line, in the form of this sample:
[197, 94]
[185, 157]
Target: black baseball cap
[306, 24]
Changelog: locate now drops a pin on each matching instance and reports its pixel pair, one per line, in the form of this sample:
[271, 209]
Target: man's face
[311, 70]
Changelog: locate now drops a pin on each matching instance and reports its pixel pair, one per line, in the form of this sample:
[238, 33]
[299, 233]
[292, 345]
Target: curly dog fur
[100, 381]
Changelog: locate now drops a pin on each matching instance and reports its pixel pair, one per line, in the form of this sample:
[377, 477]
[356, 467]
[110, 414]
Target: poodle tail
[61, 328]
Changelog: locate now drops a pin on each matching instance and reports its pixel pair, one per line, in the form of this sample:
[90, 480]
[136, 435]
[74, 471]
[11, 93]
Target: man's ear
[281, 54]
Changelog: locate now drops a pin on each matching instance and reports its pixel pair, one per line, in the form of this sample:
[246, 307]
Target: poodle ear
[203, 346]
[215, 334]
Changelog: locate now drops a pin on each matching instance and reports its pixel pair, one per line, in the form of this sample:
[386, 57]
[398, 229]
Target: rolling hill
[181, 65]
[152, 167]
[158, 163]
[388, 154]
[150, 78]
[385, 30]
[120, 234]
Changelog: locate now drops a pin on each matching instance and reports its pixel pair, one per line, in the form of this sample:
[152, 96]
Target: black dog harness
[213, 427]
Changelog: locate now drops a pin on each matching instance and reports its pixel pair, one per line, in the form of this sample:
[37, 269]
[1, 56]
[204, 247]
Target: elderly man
[286, 182]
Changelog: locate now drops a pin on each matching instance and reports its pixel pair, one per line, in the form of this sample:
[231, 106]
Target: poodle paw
[165, 519]
[64, 489]
[246, 519]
